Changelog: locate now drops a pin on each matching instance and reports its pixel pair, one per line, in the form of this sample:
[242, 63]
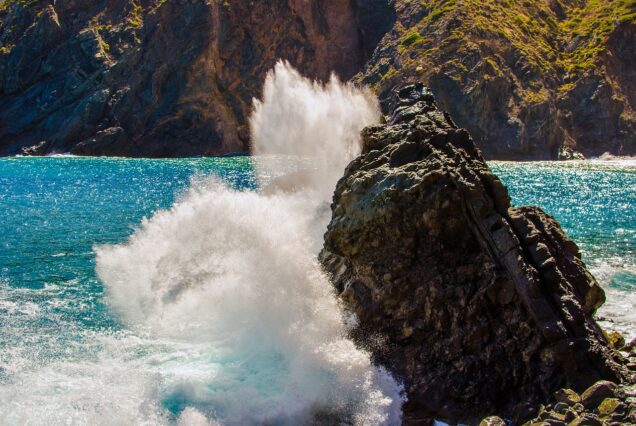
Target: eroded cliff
[541, 79]
[162, 77]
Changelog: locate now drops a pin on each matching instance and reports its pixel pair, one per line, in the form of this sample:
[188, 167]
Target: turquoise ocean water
[66, 355]
[595, 202]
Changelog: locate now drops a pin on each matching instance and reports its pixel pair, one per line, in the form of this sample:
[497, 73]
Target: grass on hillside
[531, 29]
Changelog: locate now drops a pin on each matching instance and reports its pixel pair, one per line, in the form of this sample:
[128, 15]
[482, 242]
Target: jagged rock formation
[477, 305]
[162, 77]
[541, 79]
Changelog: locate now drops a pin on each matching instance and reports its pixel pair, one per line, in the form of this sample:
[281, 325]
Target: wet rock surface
[481, 308]
[603, 403]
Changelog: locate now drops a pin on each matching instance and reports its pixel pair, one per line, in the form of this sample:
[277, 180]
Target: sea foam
[234, 274]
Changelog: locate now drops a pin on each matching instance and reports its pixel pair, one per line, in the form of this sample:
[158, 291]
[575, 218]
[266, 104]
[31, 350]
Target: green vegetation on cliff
[550, 36]
[508, 69]
[588, 27]
[530, 79]
[6, 5]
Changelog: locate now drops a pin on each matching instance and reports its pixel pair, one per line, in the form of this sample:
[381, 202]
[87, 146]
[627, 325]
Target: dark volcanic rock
[604, 403]
[162, 78]
[480, 307]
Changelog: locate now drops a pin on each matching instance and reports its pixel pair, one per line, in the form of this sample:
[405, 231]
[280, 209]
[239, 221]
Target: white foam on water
[229, 319]
[617, 159]
[105, 390]
[233, 276]
[619, 310]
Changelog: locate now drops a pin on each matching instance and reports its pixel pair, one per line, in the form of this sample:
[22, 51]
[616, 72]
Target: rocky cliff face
[529, 80]
[477, 305]
[162, 77]
[541, 79]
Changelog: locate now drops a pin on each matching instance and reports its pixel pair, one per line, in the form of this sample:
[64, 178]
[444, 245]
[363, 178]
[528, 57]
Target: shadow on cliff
[163, 79]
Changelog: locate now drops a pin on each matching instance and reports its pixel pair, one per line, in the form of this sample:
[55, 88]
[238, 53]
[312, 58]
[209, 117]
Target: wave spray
[233, 276]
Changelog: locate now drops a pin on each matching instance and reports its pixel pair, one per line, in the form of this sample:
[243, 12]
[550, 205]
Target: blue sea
[87, 243]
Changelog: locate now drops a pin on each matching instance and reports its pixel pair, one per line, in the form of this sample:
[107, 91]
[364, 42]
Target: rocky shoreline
[480, 308]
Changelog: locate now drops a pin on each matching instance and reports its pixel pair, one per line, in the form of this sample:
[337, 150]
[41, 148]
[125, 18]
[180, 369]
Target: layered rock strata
[162, 78]
[481, 308]
[529, 80]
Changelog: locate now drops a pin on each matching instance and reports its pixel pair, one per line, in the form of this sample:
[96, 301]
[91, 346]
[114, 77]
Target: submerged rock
[481, 308]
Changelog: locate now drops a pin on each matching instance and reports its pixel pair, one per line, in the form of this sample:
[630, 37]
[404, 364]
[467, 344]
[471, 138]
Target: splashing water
[67, 357]
[304, 119]
[236, 272]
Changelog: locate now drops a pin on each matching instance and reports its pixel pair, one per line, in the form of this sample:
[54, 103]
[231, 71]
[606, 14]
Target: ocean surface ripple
[187, 292]
[69, 355]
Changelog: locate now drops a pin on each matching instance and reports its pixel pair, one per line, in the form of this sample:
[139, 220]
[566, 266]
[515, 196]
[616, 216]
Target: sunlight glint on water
[65, 354]
[595, 202]
[220, 312]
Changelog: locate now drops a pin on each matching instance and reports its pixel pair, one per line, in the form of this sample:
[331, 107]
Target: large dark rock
[481, 308]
